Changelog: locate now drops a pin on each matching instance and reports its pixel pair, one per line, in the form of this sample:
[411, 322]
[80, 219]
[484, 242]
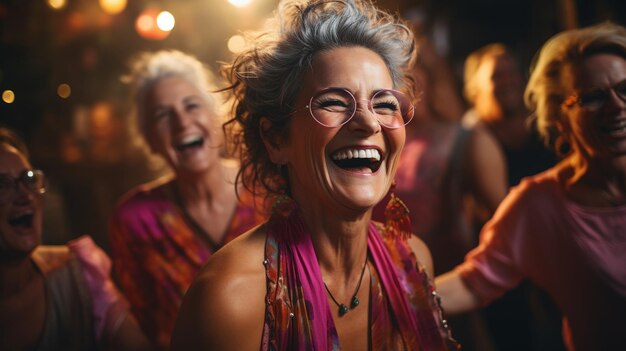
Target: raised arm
[456, 297]
[505, 253]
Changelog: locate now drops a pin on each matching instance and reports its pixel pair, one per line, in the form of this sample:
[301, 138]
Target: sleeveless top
[69, 315]
[404, 312]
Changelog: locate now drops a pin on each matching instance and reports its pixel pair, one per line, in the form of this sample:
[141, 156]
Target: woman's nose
[365, 119]
[181, 119]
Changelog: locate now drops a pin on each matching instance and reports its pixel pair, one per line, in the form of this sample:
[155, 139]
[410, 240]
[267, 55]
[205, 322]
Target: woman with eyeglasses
[52, 297]
[565, 229]
[321, 103]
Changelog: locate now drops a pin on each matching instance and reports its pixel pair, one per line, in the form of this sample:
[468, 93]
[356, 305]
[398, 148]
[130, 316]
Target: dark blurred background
[61, 63]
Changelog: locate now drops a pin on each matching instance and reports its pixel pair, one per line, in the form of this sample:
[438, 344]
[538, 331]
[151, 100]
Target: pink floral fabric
[298, 317]
[157, 254]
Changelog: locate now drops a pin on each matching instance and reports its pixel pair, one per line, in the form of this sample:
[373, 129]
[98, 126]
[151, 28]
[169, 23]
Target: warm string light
[154, 24]
[64, 90]
[57, 4]
[8, 96]
[240, 3]
[236, 43]
[113, 7]
[165, 21]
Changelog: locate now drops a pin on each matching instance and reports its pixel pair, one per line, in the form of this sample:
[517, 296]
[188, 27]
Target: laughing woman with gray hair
[321, 103]
[162, 232]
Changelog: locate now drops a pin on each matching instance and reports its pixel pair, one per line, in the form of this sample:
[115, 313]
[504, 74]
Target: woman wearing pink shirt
[565, 229]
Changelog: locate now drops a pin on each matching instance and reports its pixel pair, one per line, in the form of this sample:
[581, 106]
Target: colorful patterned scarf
[404, 314]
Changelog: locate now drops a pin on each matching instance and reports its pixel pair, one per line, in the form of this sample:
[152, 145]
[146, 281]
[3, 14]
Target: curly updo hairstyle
[265, 78]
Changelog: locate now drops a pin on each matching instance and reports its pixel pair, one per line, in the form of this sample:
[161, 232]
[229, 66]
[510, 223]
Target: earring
[282, 204]
[397, 220]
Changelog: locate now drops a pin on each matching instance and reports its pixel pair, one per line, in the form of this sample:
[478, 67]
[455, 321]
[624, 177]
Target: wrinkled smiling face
[20, 216]
[181, 125]
[600, 129]
[345, 169]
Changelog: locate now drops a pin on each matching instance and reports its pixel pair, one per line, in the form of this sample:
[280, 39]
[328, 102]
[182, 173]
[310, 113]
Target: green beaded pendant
[343, 309]
[355, 302]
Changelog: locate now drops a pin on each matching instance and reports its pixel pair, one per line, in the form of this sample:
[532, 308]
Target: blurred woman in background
[162, 232]
[565, 228]
[52, 297]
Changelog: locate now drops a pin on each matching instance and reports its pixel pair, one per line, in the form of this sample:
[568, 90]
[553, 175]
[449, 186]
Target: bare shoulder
[227, 299]
[422, 253]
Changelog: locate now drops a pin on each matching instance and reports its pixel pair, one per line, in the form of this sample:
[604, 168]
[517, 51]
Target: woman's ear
[273, 142]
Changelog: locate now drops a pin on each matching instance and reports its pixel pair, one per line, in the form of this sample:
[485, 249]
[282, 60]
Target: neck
[209, 186]
[339, 238]
[608, 173]
[15, 274]
[606, 176]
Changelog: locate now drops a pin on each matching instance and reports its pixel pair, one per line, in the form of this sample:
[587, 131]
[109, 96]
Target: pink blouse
[576, 253]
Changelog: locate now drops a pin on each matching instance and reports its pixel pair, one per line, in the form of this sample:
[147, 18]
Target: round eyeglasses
[594, 100]
[33, 180]
[334, 107]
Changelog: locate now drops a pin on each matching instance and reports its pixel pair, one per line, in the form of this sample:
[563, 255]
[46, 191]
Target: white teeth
[357, 153]
[190, 139]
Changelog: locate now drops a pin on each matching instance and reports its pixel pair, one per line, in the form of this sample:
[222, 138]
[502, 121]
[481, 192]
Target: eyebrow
[595, 88]
[331, 88]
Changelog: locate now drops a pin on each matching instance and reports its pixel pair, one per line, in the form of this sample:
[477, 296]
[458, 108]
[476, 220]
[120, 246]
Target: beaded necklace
[354, 302]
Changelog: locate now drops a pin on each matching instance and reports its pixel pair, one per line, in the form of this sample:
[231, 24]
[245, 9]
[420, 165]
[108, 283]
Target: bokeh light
[165, 21]
[101, 118]
[8, 96]
[57, 4]
[146, 25]
[240, 3]
[64, 90]
[236, 44]
[113, 7]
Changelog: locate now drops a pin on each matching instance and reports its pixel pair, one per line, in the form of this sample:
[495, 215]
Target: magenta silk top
[576, 253]
[157, 253]
[404, 314]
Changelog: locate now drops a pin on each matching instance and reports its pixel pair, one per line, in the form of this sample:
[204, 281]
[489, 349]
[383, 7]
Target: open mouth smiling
[355, 159]
[194, 141]
[22, 220]
[616, 127]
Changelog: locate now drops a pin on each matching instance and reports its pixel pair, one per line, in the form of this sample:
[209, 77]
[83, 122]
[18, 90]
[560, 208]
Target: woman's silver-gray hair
[150, 67]
[545, 91]
[266, 77]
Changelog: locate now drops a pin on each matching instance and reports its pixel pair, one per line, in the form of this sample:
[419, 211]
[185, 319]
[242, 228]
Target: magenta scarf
[298, 316]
